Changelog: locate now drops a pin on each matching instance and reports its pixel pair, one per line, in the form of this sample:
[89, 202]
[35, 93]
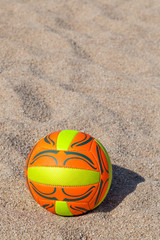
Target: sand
[92, 66]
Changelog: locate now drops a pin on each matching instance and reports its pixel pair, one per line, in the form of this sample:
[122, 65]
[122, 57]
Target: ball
[68, 172]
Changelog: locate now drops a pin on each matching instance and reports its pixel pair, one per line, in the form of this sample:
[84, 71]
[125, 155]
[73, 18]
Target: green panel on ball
[65, 138]
[110, 171]
[59, 176]
[62, 208]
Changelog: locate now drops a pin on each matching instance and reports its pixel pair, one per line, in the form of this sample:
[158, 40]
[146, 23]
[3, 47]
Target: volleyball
[68, 172]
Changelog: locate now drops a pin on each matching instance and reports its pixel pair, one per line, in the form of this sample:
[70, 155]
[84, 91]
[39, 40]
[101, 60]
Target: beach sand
[92, 66]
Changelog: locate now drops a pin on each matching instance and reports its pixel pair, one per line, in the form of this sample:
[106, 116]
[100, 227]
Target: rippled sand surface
[92, 66]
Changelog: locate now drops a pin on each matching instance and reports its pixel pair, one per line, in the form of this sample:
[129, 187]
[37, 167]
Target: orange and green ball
[68, 172]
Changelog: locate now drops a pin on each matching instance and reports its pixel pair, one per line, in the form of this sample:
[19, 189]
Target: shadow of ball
[124, 182]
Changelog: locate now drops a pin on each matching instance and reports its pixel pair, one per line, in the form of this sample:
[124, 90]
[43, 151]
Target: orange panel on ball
[71, 159]
[63, 193]
[104, 173]
[48, 205]
[81, 142]
[50, 141]
[77, 208]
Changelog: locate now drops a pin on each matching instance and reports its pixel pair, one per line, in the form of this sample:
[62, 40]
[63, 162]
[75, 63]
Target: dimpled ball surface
[68, 172]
